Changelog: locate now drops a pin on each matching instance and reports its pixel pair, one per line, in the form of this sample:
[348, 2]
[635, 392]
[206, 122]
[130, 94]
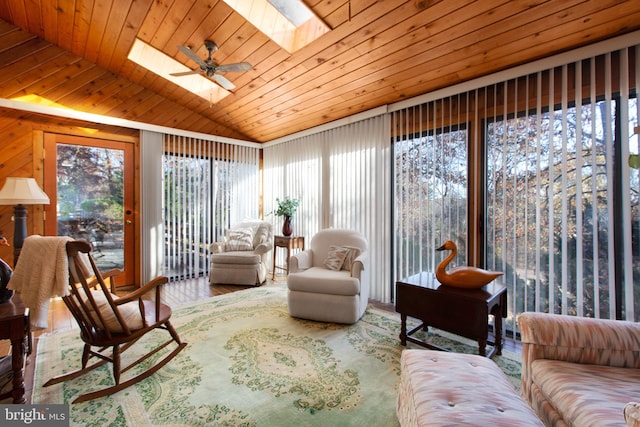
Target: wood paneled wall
[22, 155]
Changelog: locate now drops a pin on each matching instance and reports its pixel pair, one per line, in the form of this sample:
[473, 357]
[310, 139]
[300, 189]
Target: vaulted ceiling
[73, 53]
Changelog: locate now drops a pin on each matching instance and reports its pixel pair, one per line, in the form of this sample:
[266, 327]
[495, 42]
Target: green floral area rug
[249, 363]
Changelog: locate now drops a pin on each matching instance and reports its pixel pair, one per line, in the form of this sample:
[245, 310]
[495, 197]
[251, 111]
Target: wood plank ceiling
[74, 53]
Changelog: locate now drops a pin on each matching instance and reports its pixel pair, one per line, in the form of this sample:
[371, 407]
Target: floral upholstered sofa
[580, 371]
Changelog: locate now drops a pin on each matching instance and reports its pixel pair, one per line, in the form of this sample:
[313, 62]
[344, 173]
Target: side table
[463, 312]
[14, 326]
[289, 243]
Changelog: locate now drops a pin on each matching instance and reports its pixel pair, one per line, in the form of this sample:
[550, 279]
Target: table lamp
[20, 192]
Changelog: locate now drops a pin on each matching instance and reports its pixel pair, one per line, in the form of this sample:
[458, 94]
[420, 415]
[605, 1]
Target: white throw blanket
[42, 273]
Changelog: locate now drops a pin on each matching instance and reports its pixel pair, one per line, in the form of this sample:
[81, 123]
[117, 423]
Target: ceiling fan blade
[239, 66]
[192, 55]
[186, 73]
[222, 81]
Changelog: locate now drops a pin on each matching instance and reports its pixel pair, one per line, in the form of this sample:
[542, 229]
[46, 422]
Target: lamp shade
[22, 191]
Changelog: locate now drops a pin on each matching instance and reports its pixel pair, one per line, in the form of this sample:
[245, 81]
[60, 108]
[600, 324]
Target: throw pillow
[351, 256]
[336, 257]
[239, 240]
[632, 414]
[261, 235]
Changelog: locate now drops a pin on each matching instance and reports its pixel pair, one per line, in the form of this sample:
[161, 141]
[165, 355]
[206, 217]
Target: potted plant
[286, 208]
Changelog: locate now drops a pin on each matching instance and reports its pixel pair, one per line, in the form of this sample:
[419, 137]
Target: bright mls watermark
[34, 415]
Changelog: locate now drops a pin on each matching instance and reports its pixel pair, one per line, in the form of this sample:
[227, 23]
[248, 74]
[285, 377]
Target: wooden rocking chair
[110, 322]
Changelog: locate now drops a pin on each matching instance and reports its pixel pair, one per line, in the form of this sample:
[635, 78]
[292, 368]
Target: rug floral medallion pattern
[248, 363]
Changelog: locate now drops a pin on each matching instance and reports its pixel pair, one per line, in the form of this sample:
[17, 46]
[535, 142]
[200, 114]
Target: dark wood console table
[289, 243]
[14, 326]
[463, 312]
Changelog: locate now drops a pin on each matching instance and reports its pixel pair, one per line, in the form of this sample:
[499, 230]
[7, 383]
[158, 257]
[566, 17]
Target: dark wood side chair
[110, 323]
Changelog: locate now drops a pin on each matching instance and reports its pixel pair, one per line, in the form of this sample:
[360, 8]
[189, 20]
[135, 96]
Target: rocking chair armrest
[110, 273]
[140, 292]
[109, 276]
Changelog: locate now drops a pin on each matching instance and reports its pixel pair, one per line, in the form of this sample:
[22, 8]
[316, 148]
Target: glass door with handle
[90, 183]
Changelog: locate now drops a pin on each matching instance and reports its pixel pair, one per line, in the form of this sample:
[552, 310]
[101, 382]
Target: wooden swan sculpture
[462, 277]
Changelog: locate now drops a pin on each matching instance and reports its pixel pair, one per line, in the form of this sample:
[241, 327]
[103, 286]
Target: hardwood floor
[175, 294]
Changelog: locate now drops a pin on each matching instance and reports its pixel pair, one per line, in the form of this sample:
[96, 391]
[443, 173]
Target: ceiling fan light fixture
[164, 66]
[208, 67]
[210, 46]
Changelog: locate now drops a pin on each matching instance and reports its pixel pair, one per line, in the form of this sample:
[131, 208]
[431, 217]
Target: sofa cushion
[236, 257]
[586, 394]
[240, 240]
[324, 281]
[350, 258]
[336, 256]
[321, 241]
[129, 311]
[451, 389]
[632, 414]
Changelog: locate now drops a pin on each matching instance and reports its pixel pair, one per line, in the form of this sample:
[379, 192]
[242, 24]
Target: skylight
[294, 10]
[163, 65]
[290, 23]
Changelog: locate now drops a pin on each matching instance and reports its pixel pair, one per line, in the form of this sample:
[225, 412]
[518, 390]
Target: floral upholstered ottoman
[439, 388]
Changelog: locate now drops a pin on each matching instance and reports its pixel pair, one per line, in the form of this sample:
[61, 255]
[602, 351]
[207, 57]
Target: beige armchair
[242, 258]
[329, 281]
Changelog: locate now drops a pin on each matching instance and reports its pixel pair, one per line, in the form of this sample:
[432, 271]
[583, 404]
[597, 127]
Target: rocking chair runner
[108, 321]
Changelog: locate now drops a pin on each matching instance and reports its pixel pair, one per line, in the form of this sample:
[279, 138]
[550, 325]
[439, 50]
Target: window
[547, 194]
[341, 176]
[549, 208]
[431, 186]
[290, 23]
[561, 200]
[208, 187]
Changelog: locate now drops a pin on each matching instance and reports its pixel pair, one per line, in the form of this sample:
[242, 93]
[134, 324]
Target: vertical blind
[430, 183]
[294, 169]
[547, 158]
[358, 164]
[341, 177]
[532, 176]
[565, 222]
[208, 187]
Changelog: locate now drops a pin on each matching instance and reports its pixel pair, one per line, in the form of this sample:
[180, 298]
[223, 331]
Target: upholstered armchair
[242, 258]
[328, 282]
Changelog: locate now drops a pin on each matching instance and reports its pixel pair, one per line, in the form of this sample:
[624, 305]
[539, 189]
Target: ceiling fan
[210, 68]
